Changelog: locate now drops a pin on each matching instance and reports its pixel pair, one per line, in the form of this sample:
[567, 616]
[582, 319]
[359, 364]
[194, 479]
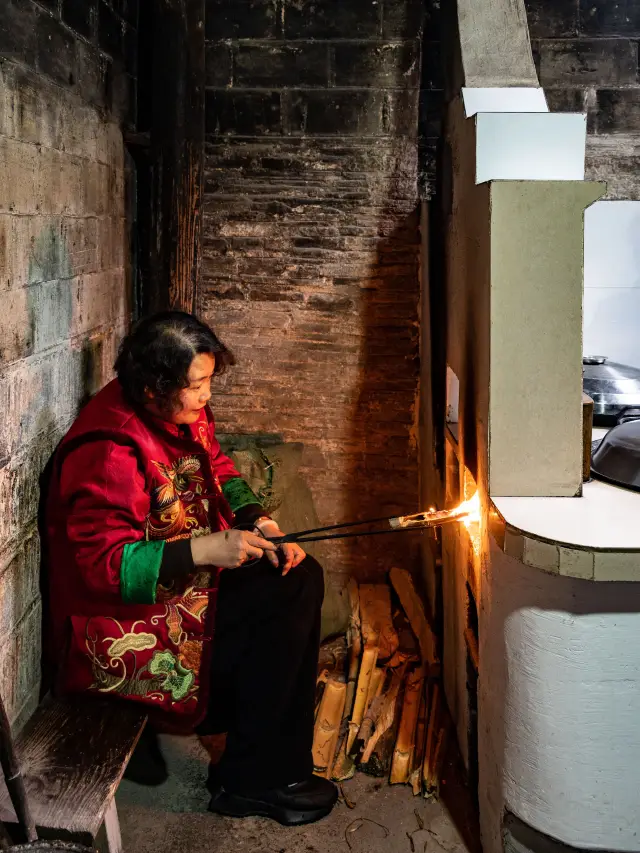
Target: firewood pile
[379, 702]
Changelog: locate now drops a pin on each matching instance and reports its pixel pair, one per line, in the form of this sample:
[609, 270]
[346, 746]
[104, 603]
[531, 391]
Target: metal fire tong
[396, 524]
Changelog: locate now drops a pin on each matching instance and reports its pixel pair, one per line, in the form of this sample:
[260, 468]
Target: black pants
[263, 676]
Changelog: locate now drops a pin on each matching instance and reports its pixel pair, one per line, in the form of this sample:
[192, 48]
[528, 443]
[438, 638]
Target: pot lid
[598, 367]
[617, 458]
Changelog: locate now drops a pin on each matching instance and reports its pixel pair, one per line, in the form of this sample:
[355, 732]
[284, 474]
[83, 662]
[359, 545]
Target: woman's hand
[293, 554]
[230, 549]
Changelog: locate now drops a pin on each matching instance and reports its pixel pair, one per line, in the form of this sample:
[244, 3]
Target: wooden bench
[73, 754]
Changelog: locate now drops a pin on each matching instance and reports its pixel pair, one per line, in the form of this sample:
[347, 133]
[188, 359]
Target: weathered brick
[20, 662]
[219, 64]
[618, 110]
[18, 23]
[319, 283]
[281, 65]
[404, 19]
[332, 19]
[242, 113]
[603, 17]
[552, 18]
[240, 19]
[395, 66]
[331, 112]
[400, 115]
[110, 30]
[586, 62]
[566, 100]
[19, 581]
[80, 15]
[56, 50]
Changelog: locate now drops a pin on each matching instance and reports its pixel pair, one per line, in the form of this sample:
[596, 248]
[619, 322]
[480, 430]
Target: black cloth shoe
[291, 805]
[147, 765]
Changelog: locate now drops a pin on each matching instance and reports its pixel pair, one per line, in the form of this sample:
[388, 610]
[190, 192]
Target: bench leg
[112, 828]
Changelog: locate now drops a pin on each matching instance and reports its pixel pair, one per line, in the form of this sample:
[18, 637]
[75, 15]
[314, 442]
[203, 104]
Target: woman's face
[192, 399]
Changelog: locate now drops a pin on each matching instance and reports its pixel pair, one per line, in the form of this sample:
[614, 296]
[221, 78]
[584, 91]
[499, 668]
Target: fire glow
[468, 512]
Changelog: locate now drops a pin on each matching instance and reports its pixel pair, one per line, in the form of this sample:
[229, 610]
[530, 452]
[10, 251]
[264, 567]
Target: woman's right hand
[229, 548]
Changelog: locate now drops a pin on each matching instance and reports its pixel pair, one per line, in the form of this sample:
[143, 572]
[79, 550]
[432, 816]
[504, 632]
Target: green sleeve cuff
[139, 572]
[238, 494]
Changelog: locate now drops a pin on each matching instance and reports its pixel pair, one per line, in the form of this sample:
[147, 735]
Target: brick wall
[310, 262]
[63, 285]
[587, 57]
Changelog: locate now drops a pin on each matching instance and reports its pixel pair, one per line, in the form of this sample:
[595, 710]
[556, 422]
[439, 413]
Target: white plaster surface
[505, 99]
[559, 706]
[604, 517]
[612, 281]
[530, 146]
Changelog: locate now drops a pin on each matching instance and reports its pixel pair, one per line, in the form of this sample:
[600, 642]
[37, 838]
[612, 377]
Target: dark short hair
[156, 355]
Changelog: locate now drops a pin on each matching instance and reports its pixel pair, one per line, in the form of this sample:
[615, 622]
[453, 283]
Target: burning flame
[470, 509]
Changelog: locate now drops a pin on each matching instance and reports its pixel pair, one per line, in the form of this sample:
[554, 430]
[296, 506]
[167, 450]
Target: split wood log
[379, 763]
[403, 753]
[421, 738]
[375, 616]
[327, 727]
[432, 734]
[410, 600]
[385, 717]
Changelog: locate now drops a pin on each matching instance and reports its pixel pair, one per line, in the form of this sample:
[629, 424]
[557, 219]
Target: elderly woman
[153, 538]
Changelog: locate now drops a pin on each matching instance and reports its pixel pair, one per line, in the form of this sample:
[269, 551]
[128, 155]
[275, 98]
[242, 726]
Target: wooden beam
[177, 145]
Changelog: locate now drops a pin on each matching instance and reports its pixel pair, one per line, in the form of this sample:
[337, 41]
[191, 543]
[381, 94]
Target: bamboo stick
[432, 734]
[403, 585]
[402, 761]
[327, 727]
[375, 686]
[369, 659]
[374, 706]
[421, 737]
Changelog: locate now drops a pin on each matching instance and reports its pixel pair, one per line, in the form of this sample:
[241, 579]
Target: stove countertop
[602, 523]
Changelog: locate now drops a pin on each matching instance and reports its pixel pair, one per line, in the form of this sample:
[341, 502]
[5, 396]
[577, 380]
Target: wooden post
[177, 146]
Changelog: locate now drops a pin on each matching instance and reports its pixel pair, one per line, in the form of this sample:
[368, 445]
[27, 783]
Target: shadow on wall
[384, 475]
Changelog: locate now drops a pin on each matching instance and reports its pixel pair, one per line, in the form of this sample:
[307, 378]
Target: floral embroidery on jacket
[177, 504]
[116, 666]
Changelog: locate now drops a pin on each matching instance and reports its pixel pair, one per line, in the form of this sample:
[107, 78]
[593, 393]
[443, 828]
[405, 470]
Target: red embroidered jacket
[124, 484]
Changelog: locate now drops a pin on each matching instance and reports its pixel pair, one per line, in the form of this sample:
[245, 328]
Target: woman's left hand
[293, 554]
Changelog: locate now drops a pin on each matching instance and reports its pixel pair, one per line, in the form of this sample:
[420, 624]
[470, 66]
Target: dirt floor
[174, 817]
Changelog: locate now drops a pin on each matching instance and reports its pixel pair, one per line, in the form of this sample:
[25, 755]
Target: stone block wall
[64, 289]
[310, 254]
[586, 52]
